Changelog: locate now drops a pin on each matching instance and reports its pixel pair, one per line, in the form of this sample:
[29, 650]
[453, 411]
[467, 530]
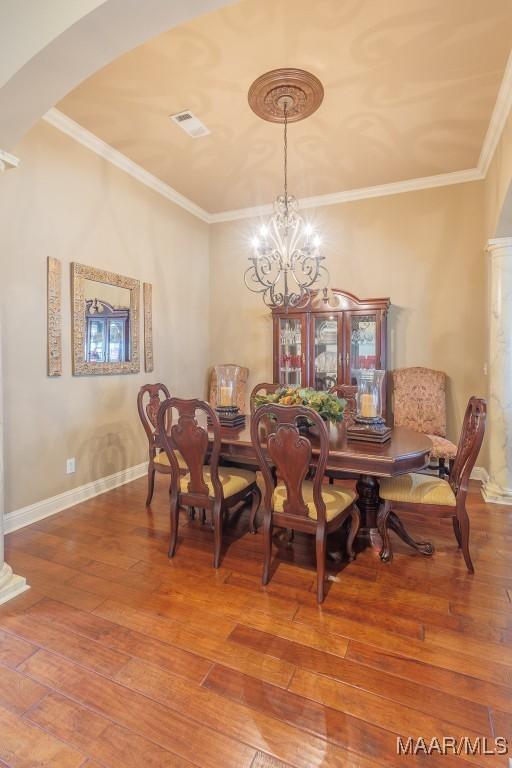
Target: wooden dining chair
[296, 503]
[262, 389]
[149, 399]
[445, 498]
[204, 486]
[346, 392]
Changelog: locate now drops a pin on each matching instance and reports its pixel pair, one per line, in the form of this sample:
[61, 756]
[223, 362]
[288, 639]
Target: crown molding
[80, 134]
[381, 190]
[498, 119]
[7, 160]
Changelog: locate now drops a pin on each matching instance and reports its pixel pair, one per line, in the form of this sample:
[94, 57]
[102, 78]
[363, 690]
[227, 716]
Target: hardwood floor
[118, 657]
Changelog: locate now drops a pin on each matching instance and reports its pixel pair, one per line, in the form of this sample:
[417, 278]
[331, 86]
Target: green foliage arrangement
[328, 406]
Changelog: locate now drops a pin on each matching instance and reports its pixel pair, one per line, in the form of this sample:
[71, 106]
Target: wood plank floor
[118, 657]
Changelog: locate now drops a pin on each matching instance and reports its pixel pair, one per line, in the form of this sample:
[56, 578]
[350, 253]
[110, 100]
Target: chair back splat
[470, 442]
[262, 389]
[190, 438]
[149, 400]
[291, 453]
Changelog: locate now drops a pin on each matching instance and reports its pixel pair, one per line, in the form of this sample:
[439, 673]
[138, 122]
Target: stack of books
[369, 433]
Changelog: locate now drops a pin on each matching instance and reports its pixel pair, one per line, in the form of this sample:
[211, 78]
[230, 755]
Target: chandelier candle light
[286, 263]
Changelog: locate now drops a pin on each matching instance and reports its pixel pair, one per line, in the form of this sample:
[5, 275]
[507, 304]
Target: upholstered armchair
[419, 402]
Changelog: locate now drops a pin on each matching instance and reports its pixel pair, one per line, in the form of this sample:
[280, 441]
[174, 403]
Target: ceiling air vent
[190, 124]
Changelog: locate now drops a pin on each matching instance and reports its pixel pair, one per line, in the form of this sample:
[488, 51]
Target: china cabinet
[323, 343]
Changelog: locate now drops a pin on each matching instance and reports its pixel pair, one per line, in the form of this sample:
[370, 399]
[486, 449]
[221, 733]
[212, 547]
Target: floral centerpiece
[328, 406]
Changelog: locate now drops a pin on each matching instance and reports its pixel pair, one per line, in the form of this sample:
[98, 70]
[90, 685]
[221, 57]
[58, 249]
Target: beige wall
[498, 191]
[66, 202]
[422, 249]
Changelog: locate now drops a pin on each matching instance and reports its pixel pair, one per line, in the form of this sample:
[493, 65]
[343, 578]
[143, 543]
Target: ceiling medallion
[302, 91]
[286, 260]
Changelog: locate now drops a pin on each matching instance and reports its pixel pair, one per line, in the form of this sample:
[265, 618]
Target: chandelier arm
[310, 270]
[251, 277]
[263, 267]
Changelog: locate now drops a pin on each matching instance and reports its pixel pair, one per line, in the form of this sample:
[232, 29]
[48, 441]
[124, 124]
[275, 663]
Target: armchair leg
[456, 530]
[174, 514]
[267, 546]
[151, 486]
[463, 523]
[217, 514]
[355, 519]
[256, 501]
[386, 553]
[321, 546]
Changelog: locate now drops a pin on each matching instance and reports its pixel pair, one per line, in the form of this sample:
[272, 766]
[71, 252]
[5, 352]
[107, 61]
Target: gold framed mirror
[105, 322]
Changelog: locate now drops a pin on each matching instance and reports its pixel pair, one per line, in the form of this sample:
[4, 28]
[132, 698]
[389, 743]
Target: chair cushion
[336, 500]
[233, 480]
[442, 448]
[161, 458]
[417, 489]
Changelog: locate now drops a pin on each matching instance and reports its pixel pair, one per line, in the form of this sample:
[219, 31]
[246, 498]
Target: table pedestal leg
[368, 502]
[396, 525]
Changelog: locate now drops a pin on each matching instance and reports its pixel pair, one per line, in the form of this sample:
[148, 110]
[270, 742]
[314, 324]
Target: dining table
[405, 451]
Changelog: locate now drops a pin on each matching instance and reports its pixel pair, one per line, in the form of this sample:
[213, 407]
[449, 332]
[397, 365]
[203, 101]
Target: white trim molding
[364, 193]
[7, 161]
[98, 146]
[497, 122]
[47, 507]
[480, 474]
[498, 119]
[497, 244]
[495, 494]
[11, 585]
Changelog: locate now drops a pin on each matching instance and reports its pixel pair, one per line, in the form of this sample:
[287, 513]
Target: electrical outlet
[70, 466]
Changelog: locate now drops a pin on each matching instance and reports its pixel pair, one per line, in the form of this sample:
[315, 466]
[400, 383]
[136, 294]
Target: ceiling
[410, 86]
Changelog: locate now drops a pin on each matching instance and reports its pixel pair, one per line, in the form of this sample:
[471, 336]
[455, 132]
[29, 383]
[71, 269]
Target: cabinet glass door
[362, 343]
[291, 352]
[325, 351]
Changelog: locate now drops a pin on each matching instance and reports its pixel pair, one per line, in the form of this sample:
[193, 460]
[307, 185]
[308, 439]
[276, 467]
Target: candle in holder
[368, 408]
[225, 396]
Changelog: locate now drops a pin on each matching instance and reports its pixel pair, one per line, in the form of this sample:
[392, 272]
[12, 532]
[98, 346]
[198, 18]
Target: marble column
[10, 584]
[498, 488]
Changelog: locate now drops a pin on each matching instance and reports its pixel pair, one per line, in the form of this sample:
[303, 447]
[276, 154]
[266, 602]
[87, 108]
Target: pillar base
[11, 585]
[494, 493]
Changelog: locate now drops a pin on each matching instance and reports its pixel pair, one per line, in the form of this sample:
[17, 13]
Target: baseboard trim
[481, 474]
[47, 507]
[495, 494]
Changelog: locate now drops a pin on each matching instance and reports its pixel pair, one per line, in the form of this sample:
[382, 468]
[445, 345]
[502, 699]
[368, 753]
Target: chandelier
[286, 259]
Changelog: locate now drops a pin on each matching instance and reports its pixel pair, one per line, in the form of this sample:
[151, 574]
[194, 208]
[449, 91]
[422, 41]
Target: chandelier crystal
[286, 260]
